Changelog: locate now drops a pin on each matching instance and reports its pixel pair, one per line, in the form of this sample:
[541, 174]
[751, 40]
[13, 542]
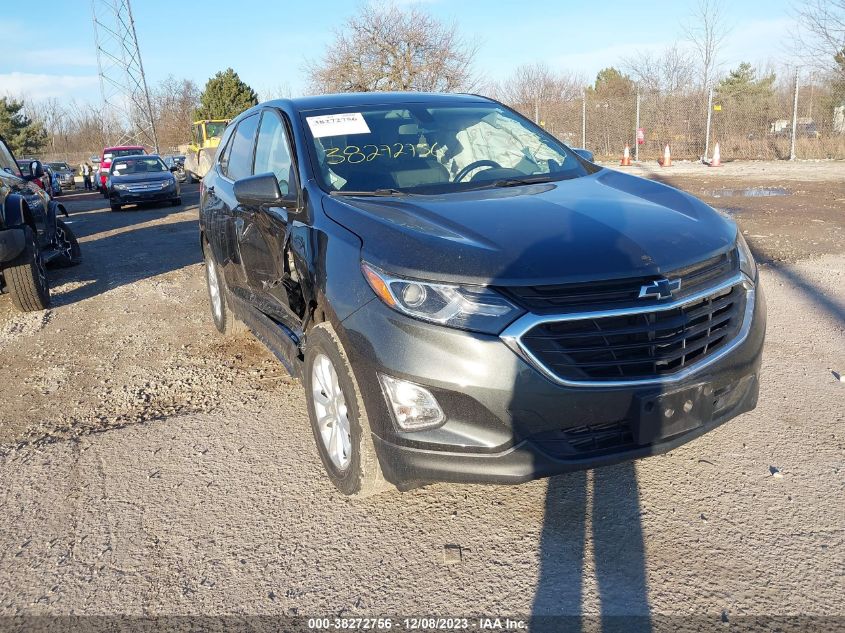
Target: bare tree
[174, 101]
[820, 40]
[388, 48]
[667, 72]
[533, 87]
[279, 91]
[706, 30]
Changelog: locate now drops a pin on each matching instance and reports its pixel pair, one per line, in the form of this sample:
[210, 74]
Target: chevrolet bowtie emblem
[660, 289]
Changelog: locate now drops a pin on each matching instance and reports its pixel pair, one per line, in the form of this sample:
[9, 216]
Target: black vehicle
[176, 164]
[31, 235]
[467, 299]
[65, 174]
[141, 179]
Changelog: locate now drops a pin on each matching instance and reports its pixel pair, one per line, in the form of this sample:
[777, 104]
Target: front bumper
[508, 423]
[136, 197]
[12, 243]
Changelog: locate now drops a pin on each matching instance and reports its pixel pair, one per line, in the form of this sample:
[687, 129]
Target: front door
[264, 237]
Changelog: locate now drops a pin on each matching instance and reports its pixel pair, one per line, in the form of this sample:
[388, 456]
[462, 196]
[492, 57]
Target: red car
[105, 162]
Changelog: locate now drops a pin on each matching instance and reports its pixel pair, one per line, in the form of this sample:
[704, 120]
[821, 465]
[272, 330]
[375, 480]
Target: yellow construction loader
[205, 137]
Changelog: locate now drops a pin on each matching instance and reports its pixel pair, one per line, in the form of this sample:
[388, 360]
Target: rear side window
[239, 157]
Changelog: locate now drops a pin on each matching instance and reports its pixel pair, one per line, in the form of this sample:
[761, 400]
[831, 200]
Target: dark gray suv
[467, 299]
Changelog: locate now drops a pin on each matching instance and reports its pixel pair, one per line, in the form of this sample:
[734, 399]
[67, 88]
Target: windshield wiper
[375, 192]
[526, 180]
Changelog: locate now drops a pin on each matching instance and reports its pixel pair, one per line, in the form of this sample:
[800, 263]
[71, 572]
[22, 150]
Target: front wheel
[26, 277]
[338, 417]
[67, 245]
[115, 207]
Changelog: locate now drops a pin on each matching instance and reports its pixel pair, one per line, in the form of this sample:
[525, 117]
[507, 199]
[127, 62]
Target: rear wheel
[338, 417]
[116, 207]
[224, 319]
[26, 277]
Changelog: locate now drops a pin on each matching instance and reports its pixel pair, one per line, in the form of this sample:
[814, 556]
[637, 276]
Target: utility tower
[127, 110]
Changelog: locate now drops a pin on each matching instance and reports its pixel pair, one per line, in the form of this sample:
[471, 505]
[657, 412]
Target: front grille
[612, 293]
[639, 345]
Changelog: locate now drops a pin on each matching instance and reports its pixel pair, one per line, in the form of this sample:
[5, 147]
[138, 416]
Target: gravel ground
[151, 467]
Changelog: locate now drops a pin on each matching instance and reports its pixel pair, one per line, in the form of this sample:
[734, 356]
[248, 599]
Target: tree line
[385, 47]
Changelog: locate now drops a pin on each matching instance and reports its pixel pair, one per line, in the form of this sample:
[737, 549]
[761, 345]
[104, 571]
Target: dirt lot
[151, 467]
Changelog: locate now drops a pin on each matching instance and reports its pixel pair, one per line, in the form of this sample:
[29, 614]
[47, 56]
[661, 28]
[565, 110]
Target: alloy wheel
[332, 412]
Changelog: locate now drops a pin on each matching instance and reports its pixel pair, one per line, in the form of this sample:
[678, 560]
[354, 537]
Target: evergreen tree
[23, 135]
[225, 96]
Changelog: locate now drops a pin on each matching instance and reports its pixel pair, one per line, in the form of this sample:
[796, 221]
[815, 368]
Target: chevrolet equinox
[467, 299]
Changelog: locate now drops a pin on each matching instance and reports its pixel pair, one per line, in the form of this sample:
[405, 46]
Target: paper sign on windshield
[337, 124]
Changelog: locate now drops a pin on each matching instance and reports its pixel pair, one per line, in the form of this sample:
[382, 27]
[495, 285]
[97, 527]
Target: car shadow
[124, 257]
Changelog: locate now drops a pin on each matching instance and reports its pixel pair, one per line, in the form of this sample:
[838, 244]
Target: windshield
[24, 166]
[125, 167]
[60, 166]
[214, 129]
[415, 148]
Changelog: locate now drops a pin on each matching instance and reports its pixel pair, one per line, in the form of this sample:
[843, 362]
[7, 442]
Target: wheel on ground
[26, 277]
[67, 244]
[116, 207]
[175, 202]
[338, 416]
[224, 320]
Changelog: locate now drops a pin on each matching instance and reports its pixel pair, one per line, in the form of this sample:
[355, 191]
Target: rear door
[264, 232]
[235, 163]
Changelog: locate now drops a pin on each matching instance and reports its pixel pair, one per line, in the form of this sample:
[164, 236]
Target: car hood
[144, 177]
[604, 226]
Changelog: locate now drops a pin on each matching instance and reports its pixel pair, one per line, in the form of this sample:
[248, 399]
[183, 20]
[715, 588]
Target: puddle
[751, 192]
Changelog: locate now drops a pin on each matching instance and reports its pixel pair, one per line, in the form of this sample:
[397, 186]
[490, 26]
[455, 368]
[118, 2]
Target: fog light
[414, 408]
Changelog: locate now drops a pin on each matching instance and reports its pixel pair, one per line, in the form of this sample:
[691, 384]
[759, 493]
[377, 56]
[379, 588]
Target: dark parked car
[65, 174]
[31, 235]
[467, 299]
[141, 179]
[176, 164]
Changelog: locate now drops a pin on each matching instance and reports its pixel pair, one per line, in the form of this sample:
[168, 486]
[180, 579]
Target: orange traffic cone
[666, 161]
[717, 157]
[626, 157]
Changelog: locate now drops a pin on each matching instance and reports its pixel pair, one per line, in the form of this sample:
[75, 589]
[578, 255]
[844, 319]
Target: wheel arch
[16, 212]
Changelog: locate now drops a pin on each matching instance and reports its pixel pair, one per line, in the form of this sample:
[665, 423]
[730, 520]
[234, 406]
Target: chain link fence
[746, 127]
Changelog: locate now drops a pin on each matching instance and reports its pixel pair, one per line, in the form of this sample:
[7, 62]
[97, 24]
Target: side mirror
[174, 168]
[36, 169]
[583, 153]
[257, 190]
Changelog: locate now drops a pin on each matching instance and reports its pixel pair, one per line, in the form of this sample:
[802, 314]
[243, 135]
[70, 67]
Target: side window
[7, 161]
[271, 151]
[239, 156]
[224, 149]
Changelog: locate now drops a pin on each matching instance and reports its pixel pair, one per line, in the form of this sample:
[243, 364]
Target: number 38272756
[364, 153]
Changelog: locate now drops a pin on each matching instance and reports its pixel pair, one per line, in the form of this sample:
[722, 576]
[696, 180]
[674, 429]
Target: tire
[26, 278]
[175, 202]
[344, 440]
[223, 318]
[67, 243]
[115, 207]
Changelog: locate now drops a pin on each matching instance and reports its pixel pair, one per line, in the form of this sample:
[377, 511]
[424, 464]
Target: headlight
[121, 187]
[167, 183]
[467, 307]
[747, 264]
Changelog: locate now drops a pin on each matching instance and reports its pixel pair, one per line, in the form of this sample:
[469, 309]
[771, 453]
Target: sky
[51, 52]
